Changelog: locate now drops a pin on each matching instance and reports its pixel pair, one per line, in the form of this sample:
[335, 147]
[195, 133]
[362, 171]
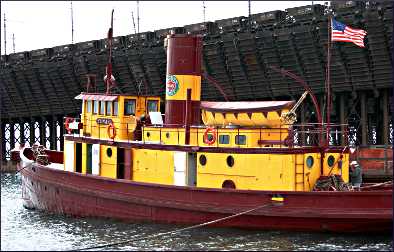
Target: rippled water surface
[23, 229]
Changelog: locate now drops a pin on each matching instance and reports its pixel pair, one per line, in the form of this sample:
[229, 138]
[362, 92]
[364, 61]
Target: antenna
[250, 12]
[72, 24]
[132, 16]
[5, 37]
[13, 42]
[203, 9]
[138, 16]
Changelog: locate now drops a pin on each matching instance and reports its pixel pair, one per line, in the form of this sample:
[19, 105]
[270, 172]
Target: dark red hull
[76, 194]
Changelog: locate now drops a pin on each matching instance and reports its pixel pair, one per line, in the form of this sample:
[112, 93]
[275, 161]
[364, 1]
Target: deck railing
[296, 135]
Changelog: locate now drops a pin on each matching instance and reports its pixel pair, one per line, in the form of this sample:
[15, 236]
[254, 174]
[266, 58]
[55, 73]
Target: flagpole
[328, 89]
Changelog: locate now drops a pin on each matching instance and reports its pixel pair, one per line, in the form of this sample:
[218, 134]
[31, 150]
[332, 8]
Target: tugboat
[202, 161]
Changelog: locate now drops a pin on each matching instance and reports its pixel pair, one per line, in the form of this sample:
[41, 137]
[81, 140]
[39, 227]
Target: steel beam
[42, 131]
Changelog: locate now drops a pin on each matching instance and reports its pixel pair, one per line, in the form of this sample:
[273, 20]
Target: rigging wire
[173, 231]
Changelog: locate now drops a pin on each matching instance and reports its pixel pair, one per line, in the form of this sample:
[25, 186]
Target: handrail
[289, 136]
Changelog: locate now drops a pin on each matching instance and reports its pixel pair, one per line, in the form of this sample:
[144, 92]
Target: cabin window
[203, 160]
[109, 105]
[115, 106]
[331, 160]
[224, 139]
[152, 106]
[95, 107]
[109, 152]
[102, 108]
[240, 139]
[309, 162]
[230, 161]
[89, 106]
[129, 107]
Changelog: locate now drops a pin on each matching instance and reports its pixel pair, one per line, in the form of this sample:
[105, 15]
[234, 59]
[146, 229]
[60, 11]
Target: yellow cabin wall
[250, 171]
[108, 164]
[153, 166]
[335, 169]
[124, 124]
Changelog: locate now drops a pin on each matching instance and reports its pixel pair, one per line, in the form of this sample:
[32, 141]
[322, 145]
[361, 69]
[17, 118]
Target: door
[191, 169]
[88, 159]
[180, 168]
[78, 157]
[120, 167]
[69, 156]
[96, 159]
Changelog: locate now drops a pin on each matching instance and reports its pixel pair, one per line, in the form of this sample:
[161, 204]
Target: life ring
[111, 131]
[206, 139]
[67, 124]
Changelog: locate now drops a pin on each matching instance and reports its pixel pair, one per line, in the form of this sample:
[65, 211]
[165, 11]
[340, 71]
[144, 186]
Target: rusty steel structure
[239, 55]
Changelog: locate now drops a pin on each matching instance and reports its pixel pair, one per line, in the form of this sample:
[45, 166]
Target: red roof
[96, 97]
[246, 106]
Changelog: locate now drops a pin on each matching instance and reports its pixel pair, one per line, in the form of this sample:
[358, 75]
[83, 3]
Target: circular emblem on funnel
[172, 85]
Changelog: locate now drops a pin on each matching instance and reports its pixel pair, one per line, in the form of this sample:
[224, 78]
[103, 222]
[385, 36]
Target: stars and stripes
[344, 33]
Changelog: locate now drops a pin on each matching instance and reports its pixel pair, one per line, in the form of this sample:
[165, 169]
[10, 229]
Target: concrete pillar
[12, 135]
[53, 133]
[3, 141]
[22, 132]
[61, 133]
[32, 132]
[363, 119]
[385, 114]
[42, 131]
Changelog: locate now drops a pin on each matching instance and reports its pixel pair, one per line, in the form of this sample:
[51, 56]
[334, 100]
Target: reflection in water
[23, 229]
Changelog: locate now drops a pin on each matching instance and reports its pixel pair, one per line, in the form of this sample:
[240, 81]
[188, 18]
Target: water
[23, 229]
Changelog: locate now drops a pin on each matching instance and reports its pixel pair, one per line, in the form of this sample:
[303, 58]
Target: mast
[72, 24]
[328, 89]
[13, 41]
[138, 16]
[109, 79]
[5, 37]
[203, 10]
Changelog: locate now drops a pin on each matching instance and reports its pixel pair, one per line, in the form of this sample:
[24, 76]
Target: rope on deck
[172, 232]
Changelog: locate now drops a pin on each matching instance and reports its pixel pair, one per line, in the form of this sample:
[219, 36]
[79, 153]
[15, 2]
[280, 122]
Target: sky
[45, 24]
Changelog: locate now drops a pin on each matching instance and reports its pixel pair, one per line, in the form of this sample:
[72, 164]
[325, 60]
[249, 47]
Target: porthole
[148, 134]
[168, 134]
[331, 160]
[203, 160]
[230, 161]
[309, 161]
[229, 184]
[109, 152]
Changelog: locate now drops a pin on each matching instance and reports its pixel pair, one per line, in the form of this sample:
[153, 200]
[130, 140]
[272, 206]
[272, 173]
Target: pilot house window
[115, 106]
[109, 104]
[152, 106]
[95, 107]
[102, 108]
[89, 106]
[129, 107]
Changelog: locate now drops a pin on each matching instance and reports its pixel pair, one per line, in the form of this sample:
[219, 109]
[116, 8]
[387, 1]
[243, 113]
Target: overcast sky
[45, 24]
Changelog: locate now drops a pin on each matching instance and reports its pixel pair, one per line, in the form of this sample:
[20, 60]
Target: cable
[172, 232]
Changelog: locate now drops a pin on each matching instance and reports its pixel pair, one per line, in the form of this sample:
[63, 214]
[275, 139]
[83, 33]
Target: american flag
[344, 33]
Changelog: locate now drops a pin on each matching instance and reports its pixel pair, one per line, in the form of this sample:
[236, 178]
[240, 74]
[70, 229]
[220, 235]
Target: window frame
[237, 137]
[124, 104]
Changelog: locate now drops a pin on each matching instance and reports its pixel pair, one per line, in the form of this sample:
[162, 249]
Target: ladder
[299, 172]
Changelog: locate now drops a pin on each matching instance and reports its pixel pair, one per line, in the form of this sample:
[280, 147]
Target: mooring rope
[172, 232]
